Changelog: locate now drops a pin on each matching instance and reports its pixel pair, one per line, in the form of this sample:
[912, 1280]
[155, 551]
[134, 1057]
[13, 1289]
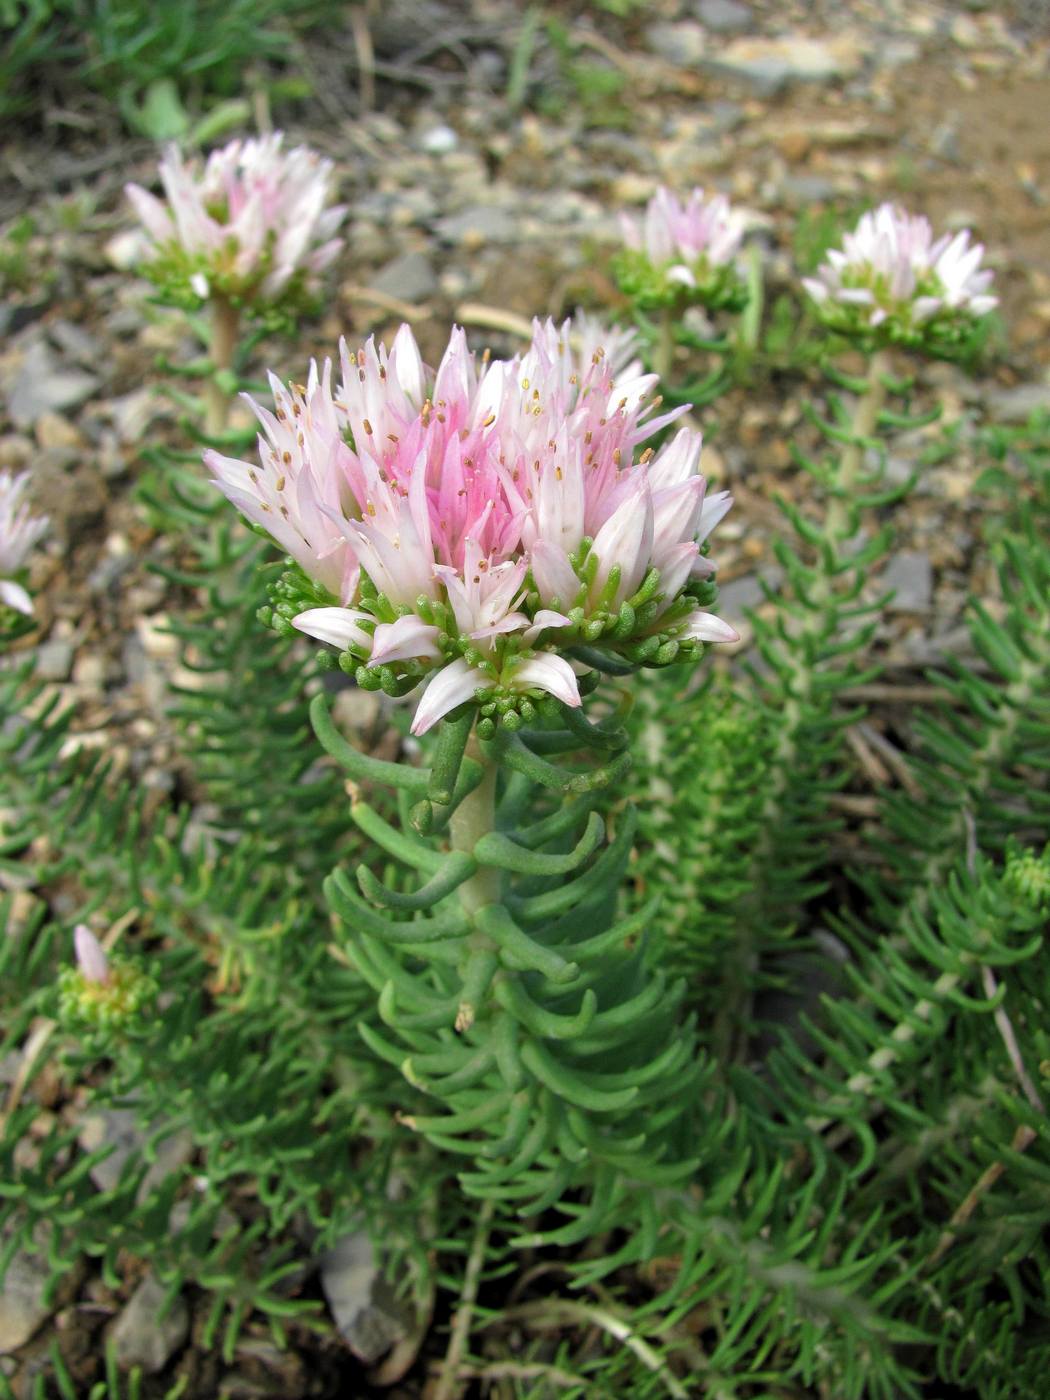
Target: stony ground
[484, 156]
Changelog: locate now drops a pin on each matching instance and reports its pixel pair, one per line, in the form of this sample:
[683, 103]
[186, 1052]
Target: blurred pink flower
[680, 236]
[246, 223]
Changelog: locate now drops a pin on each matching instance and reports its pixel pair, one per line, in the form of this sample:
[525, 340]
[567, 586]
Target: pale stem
[225, 328]
[474, 818]
[663, 353]
[448, 1386]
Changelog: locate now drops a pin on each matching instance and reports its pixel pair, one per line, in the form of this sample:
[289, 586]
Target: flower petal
[449, 687]
[550, 673]
[339, 627]
[408, 637]
[705, 627]
[15, 596]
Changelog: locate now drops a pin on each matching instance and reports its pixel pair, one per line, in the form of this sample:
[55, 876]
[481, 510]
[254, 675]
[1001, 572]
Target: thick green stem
[474, 818]
[225, 329]
[851, 463]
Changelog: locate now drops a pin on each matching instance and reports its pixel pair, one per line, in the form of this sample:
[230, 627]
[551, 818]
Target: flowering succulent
[891, 283]
[251, 226]
[19, 532]
[485, 528]
[101, 994]
[683, 254]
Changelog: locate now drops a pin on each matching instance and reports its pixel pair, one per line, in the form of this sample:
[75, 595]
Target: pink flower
[20, 530]
[247, 223]
[474, 523]
[890, 273]
[681, 235]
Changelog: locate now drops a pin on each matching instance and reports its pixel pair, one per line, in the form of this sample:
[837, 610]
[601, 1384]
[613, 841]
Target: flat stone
[478, 225]
[411, 277]
[1017, 405]
[141, 1336]
[364, 1307]
[684, 44]
[22, 1307]
[910, 575]
[41, 384]
[723, 16]
[768, 65]
[54, 660]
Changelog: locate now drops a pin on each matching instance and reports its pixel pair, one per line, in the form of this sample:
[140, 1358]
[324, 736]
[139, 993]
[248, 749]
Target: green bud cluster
[115, 1005]
[719, 288]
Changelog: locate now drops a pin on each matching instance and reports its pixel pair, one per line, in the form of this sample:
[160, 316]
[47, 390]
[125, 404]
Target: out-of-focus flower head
[100, 993]
[20, 530]
[891, 283]
[682, 254]
[483, 526]
[252, 225]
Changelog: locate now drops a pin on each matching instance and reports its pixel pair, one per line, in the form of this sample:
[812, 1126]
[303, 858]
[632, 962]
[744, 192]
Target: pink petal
[543, 619]
[449, 687]
[90, 957]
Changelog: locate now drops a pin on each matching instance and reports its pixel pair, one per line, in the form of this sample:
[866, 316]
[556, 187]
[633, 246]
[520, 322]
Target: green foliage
[159, 60]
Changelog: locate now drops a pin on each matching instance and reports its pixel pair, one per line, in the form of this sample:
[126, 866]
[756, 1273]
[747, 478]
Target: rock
[744, 593]
[370, 1318]
[1017, 405]
[141, 1336]
[438, 140]
[75, 342]
[768, 65]
[410, 277]
[22, 1307]
[41, 385]
[54, 660]
[910, 575]
[132, 413]
[110, 1127]
[479, 224]
[684, 44]
[53, 430]
[723, 16]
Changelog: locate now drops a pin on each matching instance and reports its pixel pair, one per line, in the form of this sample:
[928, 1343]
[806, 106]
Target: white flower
[19, 532]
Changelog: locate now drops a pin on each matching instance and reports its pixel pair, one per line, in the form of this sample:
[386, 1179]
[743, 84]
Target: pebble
[53, 430]
[1018, 404]
[769, 65]
[41, 384]
[142, 1336]
[438, 140]
[54, 660]
[723, 16]
[684, 43]
[22, 1306]
[411, 277]
[479, 224]
[370, 1318]
[910, 575]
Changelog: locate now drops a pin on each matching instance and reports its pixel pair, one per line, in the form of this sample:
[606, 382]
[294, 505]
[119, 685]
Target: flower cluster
[19, 532]
[487, 526]
[892, 283]
[683, 254]
[251, 226]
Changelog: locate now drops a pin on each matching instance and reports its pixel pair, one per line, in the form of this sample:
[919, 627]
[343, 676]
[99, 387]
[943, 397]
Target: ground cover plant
[637, 1009]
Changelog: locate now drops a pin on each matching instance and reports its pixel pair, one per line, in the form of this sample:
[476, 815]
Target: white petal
[449, 687]
[552, 573]
[15, 596]
[545, 618]
[337, 626]
[409, 636]
[550, 673]
[705, 627]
